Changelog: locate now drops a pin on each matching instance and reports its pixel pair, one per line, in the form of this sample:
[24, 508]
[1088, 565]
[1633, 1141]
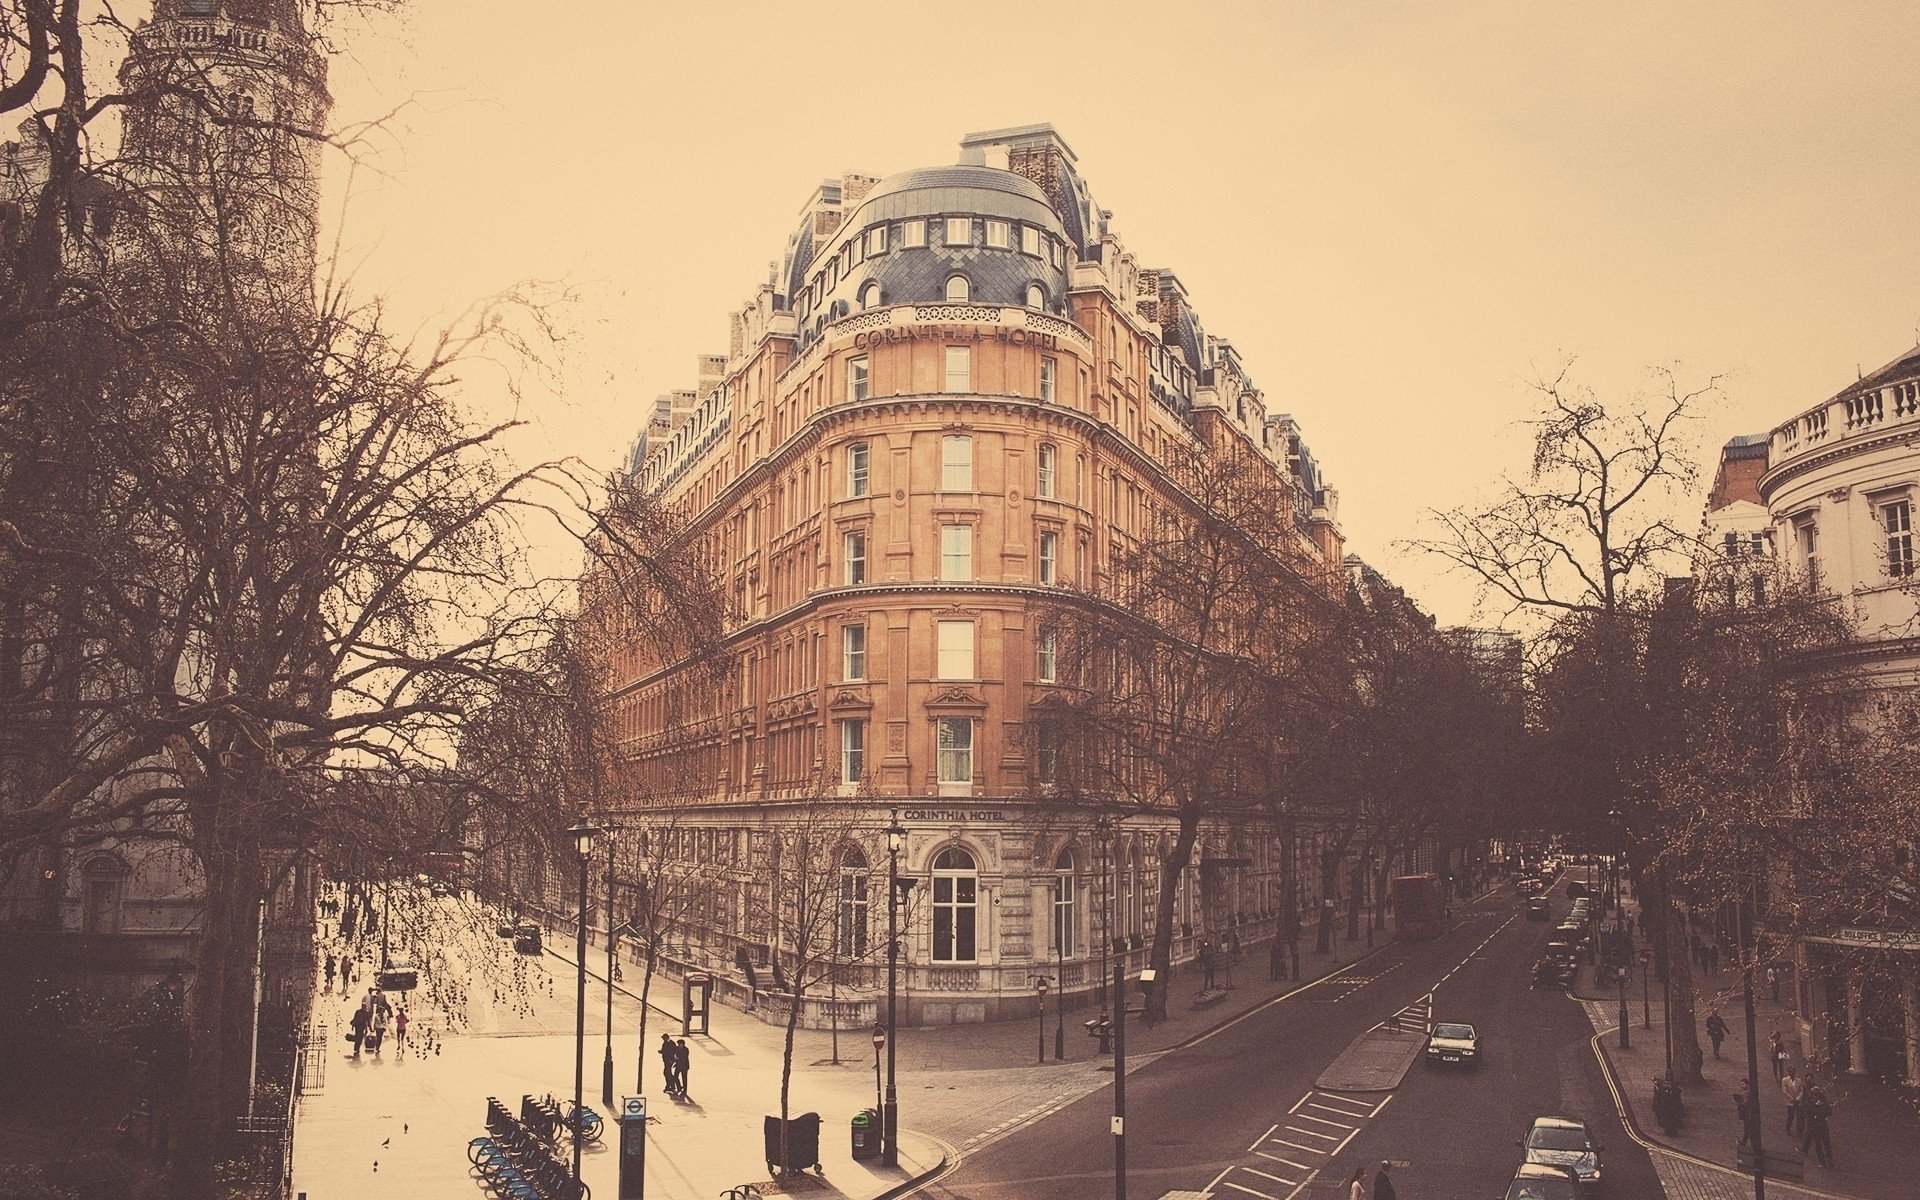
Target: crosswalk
[1417, 1016]
[1289, 1155]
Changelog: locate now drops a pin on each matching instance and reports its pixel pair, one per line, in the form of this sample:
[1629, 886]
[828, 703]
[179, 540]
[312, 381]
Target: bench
[1208, 997]
[1781, 1164]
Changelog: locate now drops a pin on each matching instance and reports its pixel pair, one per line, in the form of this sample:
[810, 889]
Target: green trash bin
[866, 1135]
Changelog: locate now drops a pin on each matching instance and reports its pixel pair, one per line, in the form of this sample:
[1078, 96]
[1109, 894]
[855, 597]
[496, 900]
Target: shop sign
[1875, 939]
[977, 815]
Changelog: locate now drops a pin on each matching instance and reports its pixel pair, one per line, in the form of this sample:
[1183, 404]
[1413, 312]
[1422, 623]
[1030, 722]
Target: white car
[1453, 1042]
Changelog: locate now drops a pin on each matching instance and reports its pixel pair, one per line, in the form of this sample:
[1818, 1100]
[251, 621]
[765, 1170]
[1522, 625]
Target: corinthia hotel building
[953, 397]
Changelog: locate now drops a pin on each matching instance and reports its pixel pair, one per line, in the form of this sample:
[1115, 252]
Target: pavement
[489, 1022]
[1238, 1110]
[1876, 1135]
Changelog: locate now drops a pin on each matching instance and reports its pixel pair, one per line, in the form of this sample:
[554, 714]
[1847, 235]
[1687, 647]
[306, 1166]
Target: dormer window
[870, 295]
[1036, 296]
[959, 231]
[959, 290]
[876, 241]
[913, 233]
[1000, 235]
[1030, 240]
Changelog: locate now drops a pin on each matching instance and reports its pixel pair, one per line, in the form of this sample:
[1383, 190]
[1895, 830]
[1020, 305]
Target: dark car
[1537, 908]
[1564, 1144]
[1536, 1182]
[1576, 889]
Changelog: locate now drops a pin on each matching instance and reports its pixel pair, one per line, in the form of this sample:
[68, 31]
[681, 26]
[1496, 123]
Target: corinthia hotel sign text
[952, 814]
[955, 333]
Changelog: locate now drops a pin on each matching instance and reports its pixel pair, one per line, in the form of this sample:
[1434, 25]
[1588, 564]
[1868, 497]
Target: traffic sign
[879, 1037]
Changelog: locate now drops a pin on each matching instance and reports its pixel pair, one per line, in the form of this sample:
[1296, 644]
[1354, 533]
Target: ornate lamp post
[583, 833]
[1060, 953]
[613, 936]
[890, 1107]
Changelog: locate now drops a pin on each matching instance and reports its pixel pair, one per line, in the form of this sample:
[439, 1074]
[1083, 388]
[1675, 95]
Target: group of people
[1382, 1183]
[345, 967]
[370, 1021]
[674, 1061]
[1809, 1113]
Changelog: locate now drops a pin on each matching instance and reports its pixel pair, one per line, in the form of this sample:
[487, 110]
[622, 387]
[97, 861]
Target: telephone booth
[696, 1000]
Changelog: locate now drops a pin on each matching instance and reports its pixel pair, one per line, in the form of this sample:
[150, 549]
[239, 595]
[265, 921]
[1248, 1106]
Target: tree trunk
[1161, 957]
[1656, 905]
[646, 989]
[1329, 888]
[214, 1026]
[1380, 881]
[786, 1058]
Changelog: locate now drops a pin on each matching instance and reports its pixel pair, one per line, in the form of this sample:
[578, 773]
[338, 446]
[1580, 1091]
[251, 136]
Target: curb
[949, 1159]
[1652, 1144]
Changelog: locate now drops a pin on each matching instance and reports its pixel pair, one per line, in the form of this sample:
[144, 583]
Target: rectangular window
[1046, 664]
[876, 240]
[913, 233]
[1896, 517]
[954, 736]
[956, 463]
[1049, 559]
[856, 553]
[1048, 467]
[959, 231]
[1000, 235]
[856, 470]
[856, 379]
[955, 649]
[956, 552]
[959, 368]
[853, 750]
[853, 653]
[1049, 373]
[1030, 240]
[1808, 535]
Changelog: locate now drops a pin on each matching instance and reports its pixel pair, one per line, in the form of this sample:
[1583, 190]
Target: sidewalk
[398, 1125]
[1876, 1136]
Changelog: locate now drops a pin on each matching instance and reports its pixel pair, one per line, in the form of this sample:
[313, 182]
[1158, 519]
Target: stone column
[1856, 1027]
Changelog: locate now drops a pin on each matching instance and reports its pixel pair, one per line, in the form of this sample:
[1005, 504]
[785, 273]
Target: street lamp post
[1646, 989]
[1626, 1019]
[583, 833]
[606, 1066]
[890, 1107]
[1040, 986]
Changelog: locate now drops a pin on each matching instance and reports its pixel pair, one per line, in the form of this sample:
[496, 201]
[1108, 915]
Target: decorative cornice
[1771, 481]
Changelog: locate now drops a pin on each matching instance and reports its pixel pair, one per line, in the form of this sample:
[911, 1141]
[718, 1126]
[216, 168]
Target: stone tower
[225, 141]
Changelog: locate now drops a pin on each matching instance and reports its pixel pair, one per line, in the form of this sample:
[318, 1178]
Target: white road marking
[1341, 1111]
[1263, 1137]
[1249, 1191]
[1297, 1146]
[1289, 1162]
[1324, 1121]
[1275, 1178]
[1311, 1133]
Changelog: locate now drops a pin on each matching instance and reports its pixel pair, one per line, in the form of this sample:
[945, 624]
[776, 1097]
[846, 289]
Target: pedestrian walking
[1793, 1092]
[330, 969]
[1773, 983]
[683, 1059]
[361, 1017]
[1357, 1188]
[1383, 1183]
[1716, 1031]
[1777, 1047]
[1817, 1137]
[377, 1030]
[1206, 964]
[1743, 1108]
[1713, 958]
[400, 1031]
[669, 1060]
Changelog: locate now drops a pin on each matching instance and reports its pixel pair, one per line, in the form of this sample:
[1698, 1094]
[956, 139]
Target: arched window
[959, 291]
[1036, 296]
[1065, 883]
[855, 882]
[955, 907]
[870, 295]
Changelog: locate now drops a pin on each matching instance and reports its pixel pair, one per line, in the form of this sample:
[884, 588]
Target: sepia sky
[1398, 213]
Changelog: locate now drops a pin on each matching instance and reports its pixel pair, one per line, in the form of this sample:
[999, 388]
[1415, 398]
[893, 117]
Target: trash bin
[866, 1135]
[803, 1143]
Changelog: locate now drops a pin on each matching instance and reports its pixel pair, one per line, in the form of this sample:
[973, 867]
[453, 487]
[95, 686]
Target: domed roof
[982, 191]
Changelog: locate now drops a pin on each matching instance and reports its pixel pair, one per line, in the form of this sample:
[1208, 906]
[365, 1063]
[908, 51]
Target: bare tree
[1181, 667]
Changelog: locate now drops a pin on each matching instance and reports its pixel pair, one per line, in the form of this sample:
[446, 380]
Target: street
[1202, 1118]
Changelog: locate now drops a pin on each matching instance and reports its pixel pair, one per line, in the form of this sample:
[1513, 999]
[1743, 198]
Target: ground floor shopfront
[1005, 893]
[1858, 999]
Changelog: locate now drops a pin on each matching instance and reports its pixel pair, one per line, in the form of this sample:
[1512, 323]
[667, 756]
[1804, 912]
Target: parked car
[1453, 1042]
[1536, 1182]
[1564, 1143]
[1578, 890]
[1538, 909]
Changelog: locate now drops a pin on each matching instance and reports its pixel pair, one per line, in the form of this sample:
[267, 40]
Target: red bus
[1419, 906]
